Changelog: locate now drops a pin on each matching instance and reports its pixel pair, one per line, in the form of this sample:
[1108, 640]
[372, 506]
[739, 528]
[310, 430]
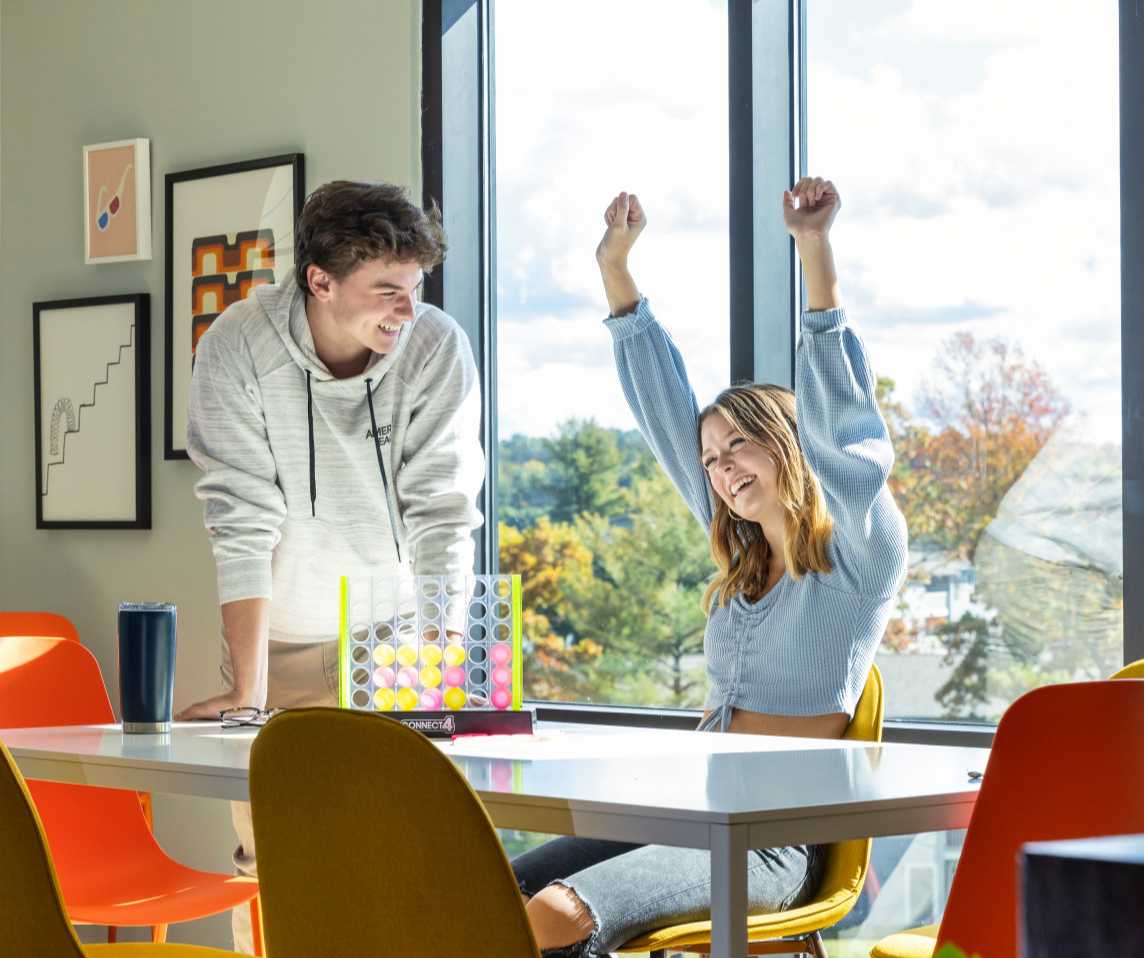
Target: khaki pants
[297, 675]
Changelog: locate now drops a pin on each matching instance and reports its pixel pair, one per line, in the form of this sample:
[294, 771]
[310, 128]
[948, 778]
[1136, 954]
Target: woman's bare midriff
[804, 726]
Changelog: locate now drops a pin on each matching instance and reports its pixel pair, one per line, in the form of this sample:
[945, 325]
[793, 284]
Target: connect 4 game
[432, 644]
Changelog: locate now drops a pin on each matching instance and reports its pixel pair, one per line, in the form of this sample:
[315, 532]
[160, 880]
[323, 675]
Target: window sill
[925, 733]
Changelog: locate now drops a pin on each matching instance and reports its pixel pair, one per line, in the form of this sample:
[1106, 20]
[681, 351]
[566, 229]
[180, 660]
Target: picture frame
[117, 202]
[229, 229]
[92, 410]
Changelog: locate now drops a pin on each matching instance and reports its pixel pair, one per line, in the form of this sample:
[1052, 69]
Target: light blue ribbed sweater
[806, 647]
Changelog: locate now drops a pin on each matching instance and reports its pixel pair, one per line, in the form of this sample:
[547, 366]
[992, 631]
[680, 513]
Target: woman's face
[742, 473]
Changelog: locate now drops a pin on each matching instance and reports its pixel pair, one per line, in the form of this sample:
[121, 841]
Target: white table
[727, 793]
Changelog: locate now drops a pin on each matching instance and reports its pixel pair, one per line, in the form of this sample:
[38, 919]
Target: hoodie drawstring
[381, 466]
[313, 470]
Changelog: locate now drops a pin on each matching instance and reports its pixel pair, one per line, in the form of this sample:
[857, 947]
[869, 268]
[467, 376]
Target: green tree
[586, 466]
[641, 599]
[970, 647]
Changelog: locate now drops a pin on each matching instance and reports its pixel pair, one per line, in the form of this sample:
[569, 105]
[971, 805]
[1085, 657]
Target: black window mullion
[1132, 316]
[456, 110]
[766, 78]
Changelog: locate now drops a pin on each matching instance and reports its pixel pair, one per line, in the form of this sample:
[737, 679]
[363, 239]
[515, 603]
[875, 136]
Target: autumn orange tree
[982, 416]
[547, 556]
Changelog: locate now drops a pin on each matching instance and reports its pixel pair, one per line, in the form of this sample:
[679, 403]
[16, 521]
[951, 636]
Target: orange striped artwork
[214, 293]
[251, 250]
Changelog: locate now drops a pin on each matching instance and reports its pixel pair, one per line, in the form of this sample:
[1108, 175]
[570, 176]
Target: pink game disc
[501, 675]
[502, 698]
[431, 699]
[383, 676]
[407, 677]
[454, 675]
[501, 654]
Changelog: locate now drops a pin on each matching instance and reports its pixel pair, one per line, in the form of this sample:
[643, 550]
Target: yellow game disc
[407, 699]
[384, 655]
[454, 698]
[430, 676]
[455, 655]
[431, 654]
[383, 699]
[406, 654]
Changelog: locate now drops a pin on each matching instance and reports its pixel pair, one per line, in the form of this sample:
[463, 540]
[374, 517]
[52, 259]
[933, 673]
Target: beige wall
[207, 82]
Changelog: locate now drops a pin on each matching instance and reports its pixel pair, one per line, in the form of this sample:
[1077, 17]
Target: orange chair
[1066, 762]
[53, 624]
[111, 869]
[31, 908]
[37, 623]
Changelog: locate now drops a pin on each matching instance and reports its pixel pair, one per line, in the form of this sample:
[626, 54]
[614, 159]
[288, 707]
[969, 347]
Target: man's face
[373, 302]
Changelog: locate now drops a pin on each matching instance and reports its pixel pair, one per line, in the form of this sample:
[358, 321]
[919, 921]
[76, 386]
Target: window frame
[767, 123]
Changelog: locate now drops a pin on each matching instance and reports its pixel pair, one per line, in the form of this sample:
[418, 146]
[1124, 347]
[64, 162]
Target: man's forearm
[818, 272]
[619, 288]
[246, 627]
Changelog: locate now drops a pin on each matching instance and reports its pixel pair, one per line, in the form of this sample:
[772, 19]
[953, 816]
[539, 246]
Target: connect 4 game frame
[431, 643]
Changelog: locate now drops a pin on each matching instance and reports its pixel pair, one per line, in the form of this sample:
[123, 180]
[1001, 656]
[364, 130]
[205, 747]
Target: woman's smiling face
[742, 472]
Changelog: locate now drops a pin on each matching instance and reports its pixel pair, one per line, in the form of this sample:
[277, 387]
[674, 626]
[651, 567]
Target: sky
[975, 147]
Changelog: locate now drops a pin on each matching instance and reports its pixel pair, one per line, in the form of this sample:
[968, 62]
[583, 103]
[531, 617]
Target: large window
[592, 98]
[976, 147]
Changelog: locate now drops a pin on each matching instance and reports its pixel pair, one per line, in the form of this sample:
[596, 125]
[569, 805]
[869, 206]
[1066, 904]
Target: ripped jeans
[630, 889]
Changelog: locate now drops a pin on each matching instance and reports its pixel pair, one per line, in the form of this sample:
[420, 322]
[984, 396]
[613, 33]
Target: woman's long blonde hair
[765, 414]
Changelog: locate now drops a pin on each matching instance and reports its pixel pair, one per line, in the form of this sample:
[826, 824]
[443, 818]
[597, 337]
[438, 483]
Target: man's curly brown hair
[345, 224]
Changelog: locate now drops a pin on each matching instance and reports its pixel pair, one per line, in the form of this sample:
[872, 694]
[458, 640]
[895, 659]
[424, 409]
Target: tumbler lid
[146, 606]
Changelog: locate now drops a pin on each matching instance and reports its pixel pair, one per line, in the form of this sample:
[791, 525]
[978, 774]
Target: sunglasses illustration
[107, 211]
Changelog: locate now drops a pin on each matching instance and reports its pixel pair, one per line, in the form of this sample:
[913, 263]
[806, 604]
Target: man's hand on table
[210, 708]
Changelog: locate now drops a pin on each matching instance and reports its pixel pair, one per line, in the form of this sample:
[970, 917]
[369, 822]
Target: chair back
[371, 842]
[1066, 762]
[53, 681]
[847, 862]
[37, 623]
[31, 910]
[1133, 670]
[50, 681]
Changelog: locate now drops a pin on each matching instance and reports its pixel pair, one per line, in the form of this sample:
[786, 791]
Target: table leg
[728, 891]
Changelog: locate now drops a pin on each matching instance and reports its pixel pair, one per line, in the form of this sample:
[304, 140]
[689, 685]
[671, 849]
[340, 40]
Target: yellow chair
[371, 842]
[920, 942]
[32, 914]
[1133, 670]
[842, 881]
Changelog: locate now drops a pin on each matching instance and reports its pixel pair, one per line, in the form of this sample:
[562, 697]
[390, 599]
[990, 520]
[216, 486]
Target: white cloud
[1004, 195]
[996, 187]
[618, 96]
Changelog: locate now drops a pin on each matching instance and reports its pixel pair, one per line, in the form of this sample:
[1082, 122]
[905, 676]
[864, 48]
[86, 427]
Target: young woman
[810, 553]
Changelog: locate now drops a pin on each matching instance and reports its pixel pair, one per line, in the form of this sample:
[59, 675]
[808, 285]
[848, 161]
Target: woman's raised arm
[651, 369]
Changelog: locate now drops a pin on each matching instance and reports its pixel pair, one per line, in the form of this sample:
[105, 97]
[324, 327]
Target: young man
[336, 422]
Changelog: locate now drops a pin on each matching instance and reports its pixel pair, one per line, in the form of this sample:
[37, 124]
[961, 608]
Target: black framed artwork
[93, 415]
[229, 230]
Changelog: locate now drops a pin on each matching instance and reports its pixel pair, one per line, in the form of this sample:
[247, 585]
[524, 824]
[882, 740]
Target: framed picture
[117, 201]
[230, 229]
[93, 418]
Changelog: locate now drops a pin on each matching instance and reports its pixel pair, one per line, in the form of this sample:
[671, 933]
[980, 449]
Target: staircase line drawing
[63, 408]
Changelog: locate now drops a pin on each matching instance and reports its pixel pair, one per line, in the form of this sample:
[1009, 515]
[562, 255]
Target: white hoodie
[291, 507]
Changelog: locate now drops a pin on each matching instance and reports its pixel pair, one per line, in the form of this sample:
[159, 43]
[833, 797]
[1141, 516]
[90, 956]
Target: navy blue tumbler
[146, 665]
